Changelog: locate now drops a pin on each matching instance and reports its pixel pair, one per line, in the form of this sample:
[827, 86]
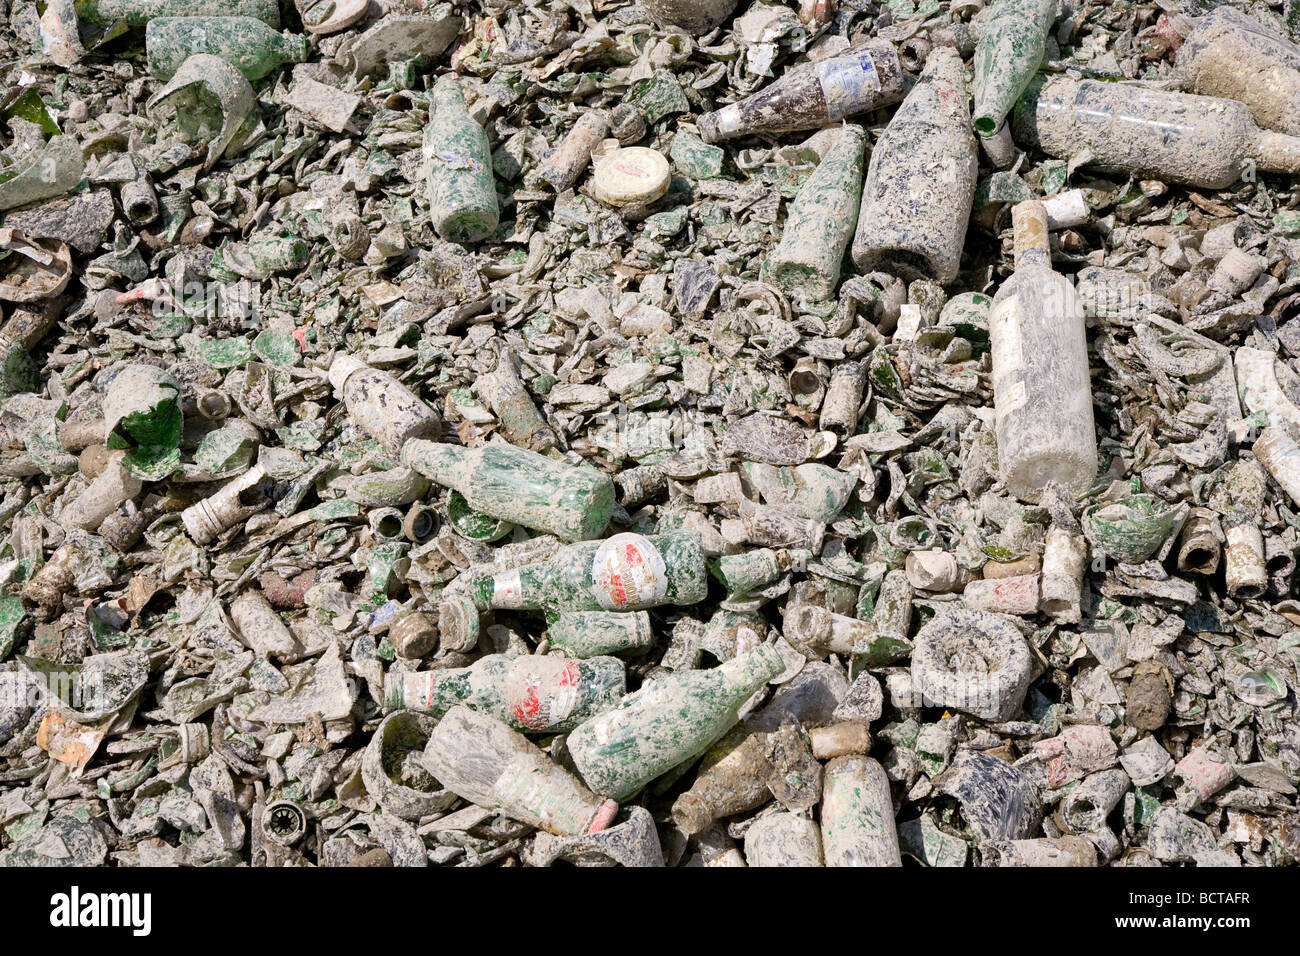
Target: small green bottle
[462, 195]
[755, 570]
[628, 572]
[246, 43]
[137, 13]
[571, 502]
[530, 693]
[820, 222]
[667, 722]
[585, 634]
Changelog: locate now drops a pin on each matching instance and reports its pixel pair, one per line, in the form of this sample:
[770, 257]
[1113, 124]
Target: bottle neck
[756, 667]
[1029, 227]
[436, 461]
[447, 97]
[1276, 152]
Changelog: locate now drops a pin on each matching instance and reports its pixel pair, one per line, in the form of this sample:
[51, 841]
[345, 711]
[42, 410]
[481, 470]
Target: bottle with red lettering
[540, 694]
[628, 572]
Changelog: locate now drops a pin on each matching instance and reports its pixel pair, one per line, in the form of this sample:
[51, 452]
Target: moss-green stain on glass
[32, 108]
[246, 43]
[1132, 529]
[475, 524]
[137, 13]
[18, 372]
[152, 439]
[463, 203]
[11, 615]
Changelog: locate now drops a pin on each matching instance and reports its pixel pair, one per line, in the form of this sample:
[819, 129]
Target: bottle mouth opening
[1200, 559]
[213, 406]
[389, 527]
[422, 524]
[251, 496]
[985, 126]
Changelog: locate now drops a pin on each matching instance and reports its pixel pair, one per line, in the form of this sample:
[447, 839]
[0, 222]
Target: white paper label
[848, 83]
[628, 573]
[729, 119]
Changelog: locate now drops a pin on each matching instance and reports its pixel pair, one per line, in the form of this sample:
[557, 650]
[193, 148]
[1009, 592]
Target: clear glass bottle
[1041, 390]
[1177, 137]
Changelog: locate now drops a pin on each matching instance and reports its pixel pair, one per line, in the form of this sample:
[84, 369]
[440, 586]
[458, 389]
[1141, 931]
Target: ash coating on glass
[744, 494]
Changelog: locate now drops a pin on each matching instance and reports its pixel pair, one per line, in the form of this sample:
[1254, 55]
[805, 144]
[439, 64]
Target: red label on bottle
[541, 692]
[629, 573]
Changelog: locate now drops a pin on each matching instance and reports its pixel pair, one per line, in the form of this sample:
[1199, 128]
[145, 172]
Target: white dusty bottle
[1232, 55]
[380, 405]
[1041, 391]
[481, 760]
[1279, 453]
[238, 499]
[921, 181]
[1177, 137]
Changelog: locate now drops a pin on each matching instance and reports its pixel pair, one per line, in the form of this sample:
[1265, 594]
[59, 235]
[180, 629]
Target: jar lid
[631, 176]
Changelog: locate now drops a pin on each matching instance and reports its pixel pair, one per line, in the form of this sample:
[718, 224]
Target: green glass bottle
[530, 693]
[667, 722]
[754, 570]
[584, 634]
[819, 223]
[482, 761]
[246, 43]
[628, 572]
[1009, 52]
[137, 13]
[571, 502]
[462, 195]
[857, 814]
